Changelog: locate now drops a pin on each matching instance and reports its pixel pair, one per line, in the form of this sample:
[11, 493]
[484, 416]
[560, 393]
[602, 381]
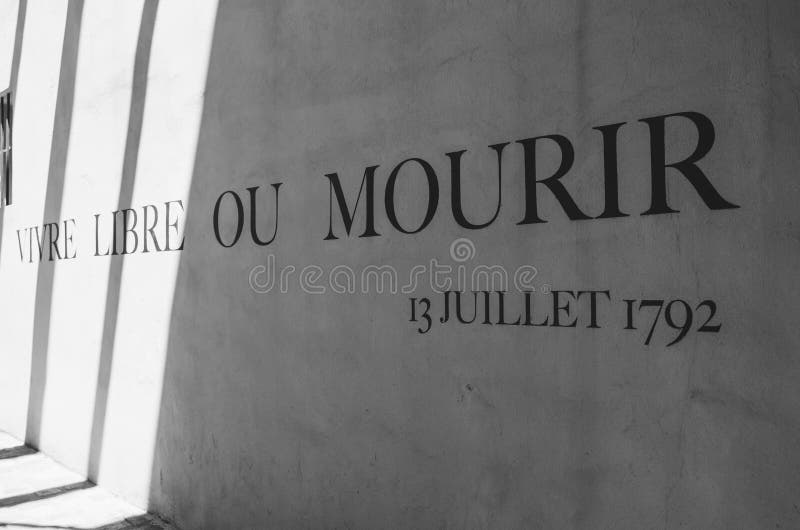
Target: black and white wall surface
[407, 264]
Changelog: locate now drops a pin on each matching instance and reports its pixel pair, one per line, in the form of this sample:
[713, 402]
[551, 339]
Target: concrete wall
[175, 381]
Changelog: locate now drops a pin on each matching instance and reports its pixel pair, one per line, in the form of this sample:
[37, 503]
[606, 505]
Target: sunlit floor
[36, 492]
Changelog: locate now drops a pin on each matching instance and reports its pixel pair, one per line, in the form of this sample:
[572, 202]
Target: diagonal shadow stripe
[141, 66]
[62, 124]
[140, 522]
[41, 495]
[14, 452]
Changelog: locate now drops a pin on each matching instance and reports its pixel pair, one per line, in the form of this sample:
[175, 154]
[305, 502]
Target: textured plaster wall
[229, 408]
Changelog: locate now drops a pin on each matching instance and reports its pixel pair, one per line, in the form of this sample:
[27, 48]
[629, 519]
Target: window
[6, 120]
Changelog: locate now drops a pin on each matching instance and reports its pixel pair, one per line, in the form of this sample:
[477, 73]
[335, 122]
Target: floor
[36, 492]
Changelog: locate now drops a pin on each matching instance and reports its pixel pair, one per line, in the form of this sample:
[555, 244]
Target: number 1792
[678, 315]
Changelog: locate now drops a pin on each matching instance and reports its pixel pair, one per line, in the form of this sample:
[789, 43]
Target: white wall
[95, 138]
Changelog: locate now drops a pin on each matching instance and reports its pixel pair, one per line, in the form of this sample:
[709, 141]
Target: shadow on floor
[60, 499]
[13, 452]
[143, 522]
[44, 494]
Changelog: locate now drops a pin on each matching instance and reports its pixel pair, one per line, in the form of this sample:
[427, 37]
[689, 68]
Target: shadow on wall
[215, 464]
[54, 192]
[43, 353]
[52, 211]
[229, 393]
[176, 441]
[265, 417]
[262, 420]
[131, 156]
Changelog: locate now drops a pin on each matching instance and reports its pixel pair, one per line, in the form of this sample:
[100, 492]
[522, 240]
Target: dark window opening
[6, 121]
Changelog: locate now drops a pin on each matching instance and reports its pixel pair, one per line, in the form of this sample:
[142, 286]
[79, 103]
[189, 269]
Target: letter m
[347, 215]
[383, 274]
[495, 277]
